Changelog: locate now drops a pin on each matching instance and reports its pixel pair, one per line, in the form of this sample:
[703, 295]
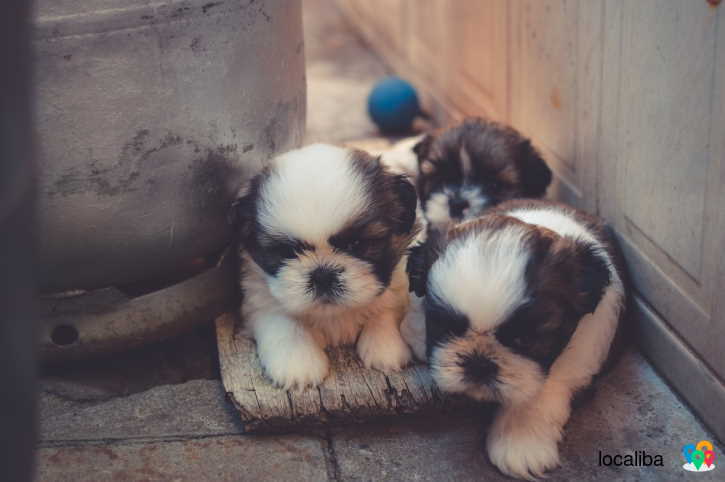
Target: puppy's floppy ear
[422, 148]
[572, 269]
[535, 175]
[243, 211]
[420, 258]
[593, 277]
[417, 269]
[408, 200]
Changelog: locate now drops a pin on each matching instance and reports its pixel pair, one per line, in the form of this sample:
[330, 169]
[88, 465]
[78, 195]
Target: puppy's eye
[300, 247]
[289, 249]
[353, 245]
[285, 251]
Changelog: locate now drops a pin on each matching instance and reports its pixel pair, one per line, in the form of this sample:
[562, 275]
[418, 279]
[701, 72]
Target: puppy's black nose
[325, 280]
[456, 207]
[477, 368]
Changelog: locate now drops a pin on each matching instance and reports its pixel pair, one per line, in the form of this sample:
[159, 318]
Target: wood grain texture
[350, 393]
[627, 102]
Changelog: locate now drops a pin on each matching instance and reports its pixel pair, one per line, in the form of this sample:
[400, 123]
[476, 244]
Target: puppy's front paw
[296, 365]
[522, 446]
[384, 351]
[412, 329]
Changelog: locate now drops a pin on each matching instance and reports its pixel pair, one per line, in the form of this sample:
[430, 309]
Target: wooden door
[554, 94]
[660, 179]
[627, 101]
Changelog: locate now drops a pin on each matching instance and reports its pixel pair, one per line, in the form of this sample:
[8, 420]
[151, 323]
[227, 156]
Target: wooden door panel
[480, 83]
[547, 70]
[554, 98]
[428, 41]
[668, 80]
[660, 173]
[393, 25]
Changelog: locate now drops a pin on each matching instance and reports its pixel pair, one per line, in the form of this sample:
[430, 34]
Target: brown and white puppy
[521, 308]
[460, 172]
[325, 232]
[472, 166]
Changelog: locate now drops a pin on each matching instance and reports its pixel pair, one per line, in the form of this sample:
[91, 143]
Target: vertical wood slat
[627, 102]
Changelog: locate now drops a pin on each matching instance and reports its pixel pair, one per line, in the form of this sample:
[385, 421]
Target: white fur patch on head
[311, 193]
[555, 220]
[482, 276]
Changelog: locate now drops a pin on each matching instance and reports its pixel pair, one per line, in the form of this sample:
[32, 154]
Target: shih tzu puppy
[472, 166]
[521, 307]
[460, 172]
[325, 232]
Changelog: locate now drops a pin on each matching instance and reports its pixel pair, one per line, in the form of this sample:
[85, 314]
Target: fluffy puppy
[521, 308]
[326, 232]
[460, 172]
[472, 166]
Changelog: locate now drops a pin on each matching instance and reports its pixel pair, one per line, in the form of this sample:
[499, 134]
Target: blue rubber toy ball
[393, 104]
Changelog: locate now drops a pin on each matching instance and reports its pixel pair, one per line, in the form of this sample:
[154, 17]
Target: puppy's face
[503, 299]
[327, 226]
[474, 165]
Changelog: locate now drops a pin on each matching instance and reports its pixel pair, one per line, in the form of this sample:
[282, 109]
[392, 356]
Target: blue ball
[393, 104]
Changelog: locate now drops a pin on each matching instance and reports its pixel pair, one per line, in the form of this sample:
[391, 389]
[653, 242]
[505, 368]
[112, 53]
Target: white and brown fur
[325, 232]
[521, 308]
[460, 172]
[472, 166]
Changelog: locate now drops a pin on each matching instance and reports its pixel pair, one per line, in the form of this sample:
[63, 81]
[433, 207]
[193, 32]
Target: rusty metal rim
[141, 320]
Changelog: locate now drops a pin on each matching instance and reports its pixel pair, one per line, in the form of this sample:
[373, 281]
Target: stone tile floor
[160, 413]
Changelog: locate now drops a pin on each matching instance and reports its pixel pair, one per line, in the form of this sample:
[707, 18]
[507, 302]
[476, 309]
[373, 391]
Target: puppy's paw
[412, 328]
[523, 446]
[384, 351]
[295, 366]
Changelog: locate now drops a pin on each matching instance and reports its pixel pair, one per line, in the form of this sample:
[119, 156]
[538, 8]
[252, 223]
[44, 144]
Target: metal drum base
[83, 324]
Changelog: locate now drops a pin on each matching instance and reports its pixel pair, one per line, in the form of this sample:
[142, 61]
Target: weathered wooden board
[350, 393]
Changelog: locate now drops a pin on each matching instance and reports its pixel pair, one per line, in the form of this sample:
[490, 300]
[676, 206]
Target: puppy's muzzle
[325, 282]
[478, 369]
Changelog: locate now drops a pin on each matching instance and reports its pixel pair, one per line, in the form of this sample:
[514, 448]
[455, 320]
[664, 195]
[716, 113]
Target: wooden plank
[242, 376]
[350, 393]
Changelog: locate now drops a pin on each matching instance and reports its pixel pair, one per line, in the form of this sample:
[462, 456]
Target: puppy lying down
[460, 172]
[465, 169]
[325, 232]
[521, 306]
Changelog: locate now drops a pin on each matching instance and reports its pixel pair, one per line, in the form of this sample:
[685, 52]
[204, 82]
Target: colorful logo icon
[700, 457]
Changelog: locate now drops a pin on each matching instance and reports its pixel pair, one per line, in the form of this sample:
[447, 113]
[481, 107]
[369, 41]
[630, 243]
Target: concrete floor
[160, 413]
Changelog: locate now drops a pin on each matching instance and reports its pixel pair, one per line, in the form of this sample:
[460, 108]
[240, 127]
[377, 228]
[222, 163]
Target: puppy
[468, 168]
[521, 307]
[326, 232]
[460, 172]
